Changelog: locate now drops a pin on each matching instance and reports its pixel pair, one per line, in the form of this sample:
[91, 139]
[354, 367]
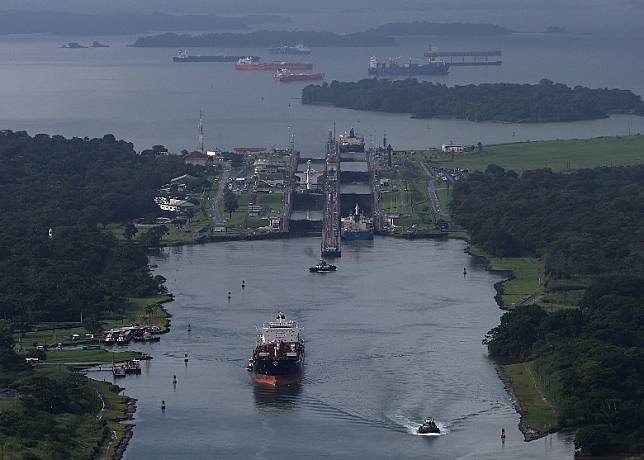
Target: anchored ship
[391, 68]
[183, 56]
[356, 226]
[349, 142]
[278, 358]
[248, 64]
[285, 49]
[286, 75]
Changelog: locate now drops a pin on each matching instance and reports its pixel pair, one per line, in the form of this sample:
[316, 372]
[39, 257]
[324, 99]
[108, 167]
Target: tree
[129, 231]
[230, 202]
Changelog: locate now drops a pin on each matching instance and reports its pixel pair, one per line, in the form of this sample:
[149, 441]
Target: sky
[528, 15]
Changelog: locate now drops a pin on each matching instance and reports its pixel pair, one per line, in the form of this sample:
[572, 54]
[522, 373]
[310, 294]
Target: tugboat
[322, 267]
[278, 358]
[429, 427]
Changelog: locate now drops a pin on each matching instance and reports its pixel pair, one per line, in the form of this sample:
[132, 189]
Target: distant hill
[264, 38]
[441, 29]
[27, 22]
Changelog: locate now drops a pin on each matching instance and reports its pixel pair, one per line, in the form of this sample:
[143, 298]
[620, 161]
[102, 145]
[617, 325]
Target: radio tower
[200, 126]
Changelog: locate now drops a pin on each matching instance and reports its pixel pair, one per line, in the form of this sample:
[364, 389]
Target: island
[502, 102]
[73, 46]
[263, 38]
[379, 36]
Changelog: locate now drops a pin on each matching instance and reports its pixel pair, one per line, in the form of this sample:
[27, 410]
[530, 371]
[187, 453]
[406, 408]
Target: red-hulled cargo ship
[278, 358]
[285, 75]
[249, 64]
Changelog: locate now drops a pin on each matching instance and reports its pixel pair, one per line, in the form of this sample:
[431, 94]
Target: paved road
[223, 181]
[431, 191]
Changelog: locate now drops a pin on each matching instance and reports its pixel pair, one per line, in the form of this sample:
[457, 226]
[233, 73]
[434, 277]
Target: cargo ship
[356, 227]
[285, 75]
[349, 142]
[391, 68]
[248, 64]
[183, 56]
[278, 358]
[285, 49]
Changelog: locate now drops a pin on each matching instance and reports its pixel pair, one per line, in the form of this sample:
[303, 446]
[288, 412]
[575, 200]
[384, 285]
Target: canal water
[392, 337]
[140, 95]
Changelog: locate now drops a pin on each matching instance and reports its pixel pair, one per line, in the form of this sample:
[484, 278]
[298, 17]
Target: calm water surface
[141, 96]
[392, 337]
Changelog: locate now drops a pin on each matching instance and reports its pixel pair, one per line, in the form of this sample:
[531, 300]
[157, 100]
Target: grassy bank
[92, 355]
[526, 283]
[116, 410]
[537, 412]
[559, 155]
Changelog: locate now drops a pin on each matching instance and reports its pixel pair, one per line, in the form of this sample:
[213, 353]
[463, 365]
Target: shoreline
[529, 433]
[131, 404]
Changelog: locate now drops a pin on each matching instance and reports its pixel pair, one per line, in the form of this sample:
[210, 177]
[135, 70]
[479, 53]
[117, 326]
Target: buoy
[174, 379]
[189, 328]
[464, 272]
[243, 284]
[185, 358]
[163, 405]
[503, 434]
[229, 295]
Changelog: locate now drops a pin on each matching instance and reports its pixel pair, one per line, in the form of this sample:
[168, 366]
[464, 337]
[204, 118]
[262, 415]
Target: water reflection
[278, 398]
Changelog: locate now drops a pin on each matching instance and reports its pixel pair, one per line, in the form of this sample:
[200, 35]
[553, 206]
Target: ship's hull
[407, 71]
[356, 235]
[356, 148]
[274, 66]
[286, 372]
[211, 58]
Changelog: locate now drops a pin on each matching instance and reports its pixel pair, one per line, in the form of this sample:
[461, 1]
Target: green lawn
[558, 155]
[528, 271]
[540, 413]
[240, 218]
[274, 200]
[89, 356]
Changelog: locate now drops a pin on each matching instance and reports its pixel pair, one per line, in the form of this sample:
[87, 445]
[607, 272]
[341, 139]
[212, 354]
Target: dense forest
[262, 38]
[591, 361]
[588, 222]
[441, 29]
[65, 23]
[73, 186]
[509, 102]
[585, 224]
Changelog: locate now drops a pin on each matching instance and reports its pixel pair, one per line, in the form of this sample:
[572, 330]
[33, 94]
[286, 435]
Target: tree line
[507, 102]
[56, 261]
[586, 224]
